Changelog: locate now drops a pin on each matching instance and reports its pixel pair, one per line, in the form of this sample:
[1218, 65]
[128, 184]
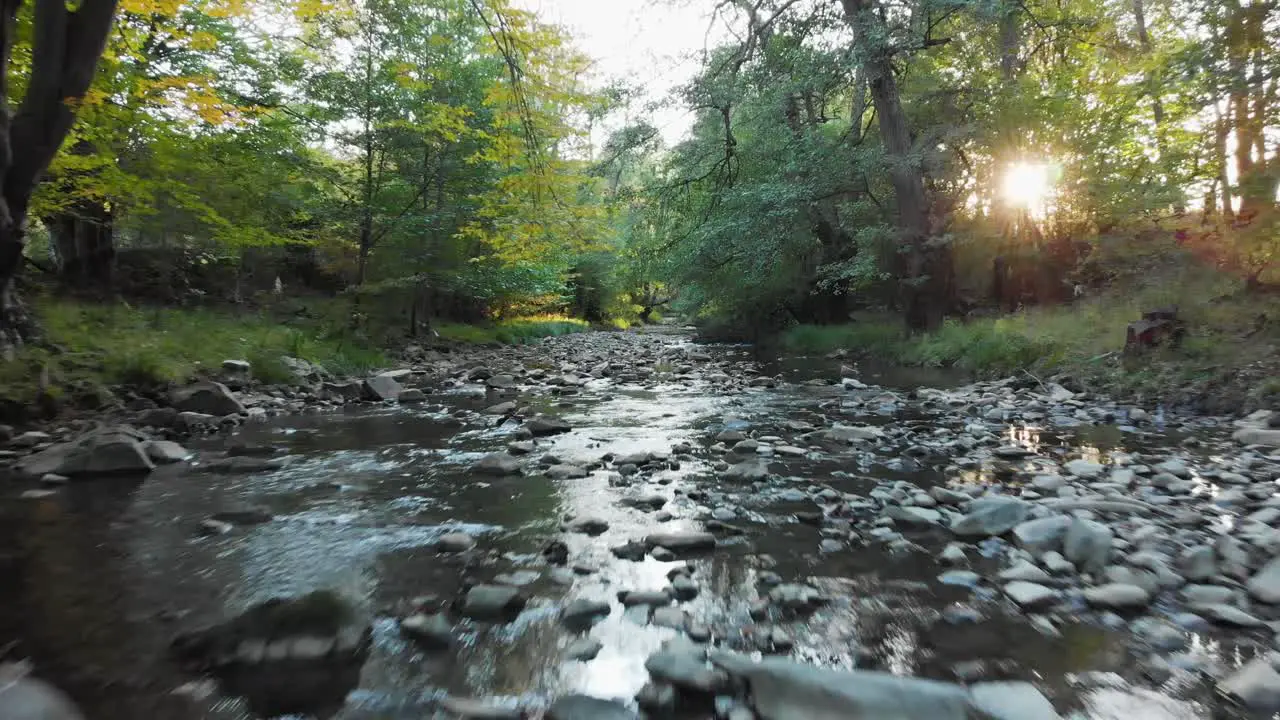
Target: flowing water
[98, 579]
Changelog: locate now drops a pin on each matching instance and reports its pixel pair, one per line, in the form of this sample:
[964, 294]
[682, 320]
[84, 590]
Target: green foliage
[147, 347]
[514, 331]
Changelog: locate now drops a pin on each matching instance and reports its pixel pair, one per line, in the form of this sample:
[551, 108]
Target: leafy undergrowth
[514, 331]
[1232, 338]
[87, 346]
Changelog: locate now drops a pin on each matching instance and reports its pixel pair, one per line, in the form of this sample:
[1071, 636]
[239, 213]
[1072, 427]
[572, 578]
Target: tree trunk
[924, 269]
[366, 209]
[1222, 129]
[65, 47]
[84, 241]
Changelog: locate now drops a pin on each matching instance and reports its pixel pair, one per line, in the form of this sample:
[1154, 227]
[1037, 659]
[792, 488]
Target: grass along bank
[88, 348]
[1229, 360]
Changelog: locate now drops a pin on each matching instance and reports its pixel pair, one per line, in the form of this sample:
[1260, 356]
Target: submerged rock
[434, 631]
[497, 464]
[678, 541]
[492, 602]
[455, 542]
[583, 707]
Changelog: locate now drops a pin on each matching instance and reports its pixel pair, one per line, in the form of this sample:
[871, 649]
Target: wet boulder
[584, 612]
[1041, 535]
[433, 631]
[584, 707]
[1087, 544]
[1117, 596]
[165, 452]
[106, 451]
[1256, 685]
[1265, 584]
[992, 515]
[1011, 701]
[491, 602]
[285, 655]
[497, 464]
[344, 391]
[584, 650]
[23, 697]
[455, 542]
[747, 471]
[685, 667]
[210, 398]
[242, 465]
[380, 388]
[544, 425]
[1266, 437]
[589, 525]
[681, 541]
[785, 690]
[482, 709]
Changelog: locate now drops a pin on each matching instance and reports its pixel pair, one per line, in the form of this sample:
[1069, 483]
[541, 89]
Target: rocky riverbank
[610, 524]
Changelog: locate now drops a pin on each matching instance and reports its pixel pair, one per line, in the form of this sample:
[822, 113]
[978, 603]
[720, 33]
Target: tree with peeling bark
[67, 44]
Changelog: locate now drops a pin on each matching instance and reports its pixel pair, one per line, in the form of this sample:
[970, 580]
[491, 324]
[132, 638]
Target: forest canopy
[461, 158]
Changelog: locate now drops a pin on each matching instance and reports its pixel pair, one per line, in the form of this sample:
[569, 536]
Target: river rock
[210, 398]
[992, 515]
[411, 396]
[455, 542]
[434, 631]
[317, 626]
[106, 451]
[1011, 701]
[748, 471]
[1041, 535]
[589, 525]
[1117, 596]
[1265, 584]
[786, 690]
[1228, 615]
[583, 613]
[497, 464]
[165, 452]
[1267, 437]
[381, 388]
[1031, 596]
[482, 709]
[566, 472]
[1198, 563]
[913, 516]
[584, 649]
[850, 434]
[1024, 570]
[1086, 469]
[583, 707]
[26, 698]
[1256, 685]
[792, 596]
[1087, 544]
[487, 602]
[681, 541]
[685, 668]
[543, 425]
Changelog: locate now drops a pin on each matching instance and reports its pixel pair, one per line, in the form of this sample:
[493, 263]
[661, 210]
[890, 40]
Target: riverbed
[98, 578]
